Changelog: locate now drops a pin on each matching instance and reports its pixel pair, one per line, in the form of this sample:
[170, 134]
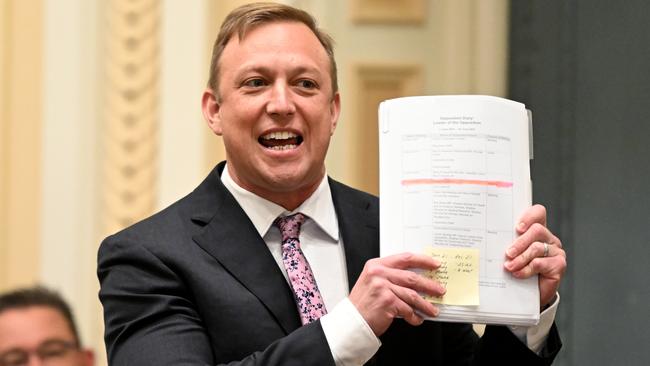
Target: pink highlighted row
[425, 181]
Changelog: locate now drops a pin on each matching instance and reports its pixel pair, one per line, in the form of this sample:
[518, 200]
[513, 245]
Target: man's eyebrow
[267, 70]
[11, 350]
[254, 68]
[54, 340]
[304, 69]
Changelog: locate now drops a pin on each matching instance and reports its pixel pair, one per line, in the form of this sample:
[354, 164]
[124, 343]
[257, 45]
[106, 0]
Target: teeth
[283, 147]
[279, 135]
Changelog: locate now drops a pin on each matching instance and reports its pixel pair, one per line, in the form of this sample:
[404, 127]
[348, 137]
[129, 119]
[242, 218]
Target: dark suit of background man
[203, 282]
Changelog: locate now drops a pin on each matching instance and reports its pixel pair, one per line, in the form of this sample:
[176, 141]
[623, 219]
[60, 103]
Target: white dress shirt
[350, 338]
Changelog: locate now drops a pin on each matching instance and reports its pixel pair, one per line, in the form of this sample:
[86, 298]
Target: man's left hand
[537, 251]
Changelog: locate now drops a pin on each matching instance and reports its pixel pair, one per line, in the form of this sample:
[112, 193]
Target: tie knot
[290, 226]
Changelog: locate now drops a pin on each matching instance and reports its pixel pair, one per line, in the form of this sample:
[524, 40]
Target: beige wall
[58, 124]
[20, 144]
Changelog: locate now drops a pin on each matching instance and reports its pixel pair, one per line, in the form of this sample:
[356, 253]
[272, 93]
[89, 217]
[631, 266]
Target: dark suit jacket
[196, 285]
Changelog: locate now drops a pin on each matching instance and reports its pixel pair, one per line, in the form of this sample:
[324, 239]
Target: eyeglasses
[49, 352]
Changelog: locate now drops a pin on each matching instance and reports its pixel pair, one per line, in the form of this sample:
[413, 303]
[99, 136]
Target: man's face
[276, 111]
[36, 335]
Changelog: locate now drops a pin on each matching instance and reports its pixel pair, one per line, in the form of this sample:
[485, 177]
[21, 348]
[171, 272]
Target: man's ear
[335, 110]
[210, 107]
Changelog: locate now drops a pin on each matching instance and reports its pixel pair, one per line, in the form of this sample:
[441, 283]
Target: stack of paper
[454, 178]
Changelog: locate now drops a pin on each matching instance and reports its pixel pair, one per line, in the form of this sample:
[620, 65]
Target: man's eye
[254, 83]
[14, 358]
[53, 351]
[307, 84]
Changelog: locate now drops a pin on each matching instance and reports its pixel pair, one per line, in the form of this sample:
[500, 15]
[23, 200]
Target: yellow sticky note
[458, 273]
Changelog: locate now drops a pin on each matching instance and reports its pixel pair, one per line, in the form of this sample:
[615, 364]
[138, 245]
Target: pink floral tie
[305, 290]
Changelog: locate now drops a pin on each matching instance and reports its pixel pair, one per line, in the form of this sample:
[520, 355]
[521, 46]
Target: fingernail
[510, 252]
[521, 226]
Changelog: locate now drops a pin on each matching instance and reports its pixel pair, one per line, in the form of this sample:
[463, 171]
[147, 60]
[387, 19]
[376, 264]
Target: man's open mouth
[280, 140]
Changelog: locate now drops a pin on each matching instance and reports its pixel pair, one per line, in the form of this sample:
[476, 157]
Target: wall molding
[374, 82]
[131, 116]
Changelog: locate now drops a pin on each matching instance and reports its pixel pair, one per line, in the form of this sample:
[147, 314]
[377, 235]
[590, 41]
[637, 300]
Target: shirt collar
[319, 207]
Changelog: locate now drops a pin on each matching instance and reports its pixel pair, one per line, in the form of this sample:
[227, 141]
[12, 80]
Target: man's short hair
[247, 17]
[39, 296]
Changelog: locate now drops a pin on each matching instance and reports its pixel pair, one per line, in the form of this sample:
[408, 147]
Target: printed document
[454, 179]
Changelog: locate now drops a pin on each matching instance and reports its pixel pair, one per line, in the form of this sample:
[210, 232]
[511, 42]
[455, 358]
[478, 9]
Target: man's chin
[287, 183]
[292, 180]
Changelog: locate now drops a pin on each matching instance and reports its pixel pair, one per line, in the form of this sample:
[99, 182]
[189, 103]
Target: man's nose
[281, 101]
[34, 360]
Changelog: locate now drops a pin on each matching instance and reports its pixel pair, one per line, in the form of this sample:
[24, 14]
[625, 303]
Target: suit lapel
[230, 237]
[358, 221]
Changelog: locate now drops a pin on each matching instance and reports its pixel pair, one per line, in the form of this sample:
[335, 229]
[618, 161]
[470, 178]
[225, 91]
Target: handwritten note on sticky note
[458, 273]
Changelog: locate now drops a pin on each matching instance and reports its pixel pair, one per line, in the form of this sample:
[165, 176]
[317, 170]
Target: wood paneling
[388, 11]
[375, 83]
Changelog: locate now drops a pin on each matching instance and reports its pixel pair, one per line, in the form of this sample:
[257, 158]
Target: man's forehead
[246, 31]
[280, 34]
[35, 320]
[278, 41]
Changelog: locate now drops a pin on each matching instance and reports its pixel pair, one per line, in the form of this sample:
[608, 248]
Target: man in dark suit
[218, 278]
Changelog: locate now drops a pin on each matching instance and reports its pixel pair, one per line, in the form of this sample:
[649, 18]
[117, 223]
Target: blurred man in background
[37, 328]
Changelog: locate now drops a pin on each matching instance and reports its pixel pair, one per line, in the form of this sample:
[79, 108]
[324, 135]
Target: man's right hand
[386, 289]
